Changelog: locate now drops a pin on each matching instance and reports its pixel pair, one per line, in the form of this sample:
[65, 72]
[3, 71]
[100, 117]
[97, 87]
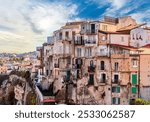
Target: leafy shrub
[140, 101]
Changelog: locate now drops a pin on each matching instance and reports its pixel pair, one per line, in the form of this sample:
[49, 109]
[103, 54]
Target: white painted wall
[58, 48]
[121, 39]
[136, 33]
[62, 48]
[102, 50]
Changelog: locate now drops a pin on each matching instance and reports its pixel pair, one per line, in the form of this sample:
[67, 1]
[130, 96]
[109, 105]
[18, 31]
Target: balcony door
[93, 28]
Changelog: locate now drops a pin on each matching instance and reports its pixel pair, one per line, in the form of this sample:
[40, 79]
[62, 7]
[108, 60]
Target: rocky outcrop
[15, 88]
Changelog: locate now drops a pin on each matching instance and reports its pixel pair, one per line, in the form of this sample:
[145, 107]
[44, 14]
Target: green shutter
[113, 89]
[113, 100]
[134, 90]
[118, 89]
[134, 79]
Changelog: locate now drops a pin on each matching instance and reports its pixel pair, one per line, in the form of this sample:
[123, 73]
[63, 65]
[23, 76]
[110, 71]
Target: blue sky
[25, 24]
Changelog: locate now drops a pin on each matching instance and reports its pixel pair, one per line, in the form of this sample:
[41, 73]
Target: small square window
[116, 89]
[134, 63]
[103, 38]
[116, 100]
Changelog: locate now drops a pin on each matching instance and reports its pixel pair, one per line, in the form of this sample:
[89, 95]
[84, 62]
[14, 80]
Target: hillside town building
[96, 62]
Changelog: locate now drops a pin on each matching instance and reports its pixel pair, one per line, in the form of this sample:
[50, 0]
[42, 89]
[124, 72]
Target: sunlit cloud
[30, 22]
[25, 24]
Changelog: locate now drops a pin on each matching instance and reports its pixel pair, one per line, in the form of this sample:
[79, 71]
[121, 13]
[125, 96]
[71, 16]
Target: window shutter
[114, 100]
[113, 89]
[118, 89]
[134, 90]
[134, 79]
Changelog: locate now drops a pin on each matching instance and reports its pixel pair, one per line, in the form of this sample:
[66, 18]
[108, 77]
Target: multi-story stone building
[145, 72]
[94, 62]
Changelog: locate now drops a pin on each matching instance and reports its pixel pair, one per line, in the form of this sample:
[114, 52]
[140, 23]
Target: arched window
[91, 63]
[103, 77]
[102, 66]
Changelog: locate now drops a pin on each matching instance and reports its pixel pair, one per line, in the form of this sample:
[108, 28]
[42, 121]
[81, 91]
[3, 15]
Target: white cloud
[31, 21]
[117, 4]
[140, 17]
[48, 17]
[115, 7]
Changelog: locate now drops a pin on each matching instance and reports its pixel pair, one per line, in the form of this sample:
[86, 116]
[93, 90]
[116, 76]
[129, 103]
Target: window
[60, 36]
[116, 78]
[68, 60]
[73, 35]
[78, 63]
[93, 28]
[103, 38]
[133, 37]
[83, 27]
[47, 72]
[68, 75]
[104, 27]
[102, 52]
[102, 65]
[134, 79]
[91, 68]
[116, 100]
[91, 79]
[140, 37]
[103, 77]
[134, 63]
[116, 66]
[89, 52]
[137, 37]
[122, 39]
[67, 34]
[116, 89]
[134, 90]
[79, 51]
[91, 63]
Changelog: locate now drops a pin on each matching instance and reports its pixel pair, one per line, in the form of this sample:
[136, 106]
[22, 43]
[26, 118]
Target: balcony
[116, 81]
[90, 43]
[134, 53]
[123, 56]
[102, 54]
[103, 80]
[67, 39]
[56, 65]
[93, 31]
[103, 69]
[63, 53]
[79, 42]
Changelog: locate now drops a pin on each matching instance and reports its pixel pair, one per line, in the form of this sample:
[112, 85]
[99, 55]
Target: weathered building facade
[95, 62]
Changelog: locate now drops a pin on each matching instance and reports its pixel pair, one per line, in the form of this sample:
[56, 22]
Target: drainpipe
[139, 77]
[111, 74]
[110, 69]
